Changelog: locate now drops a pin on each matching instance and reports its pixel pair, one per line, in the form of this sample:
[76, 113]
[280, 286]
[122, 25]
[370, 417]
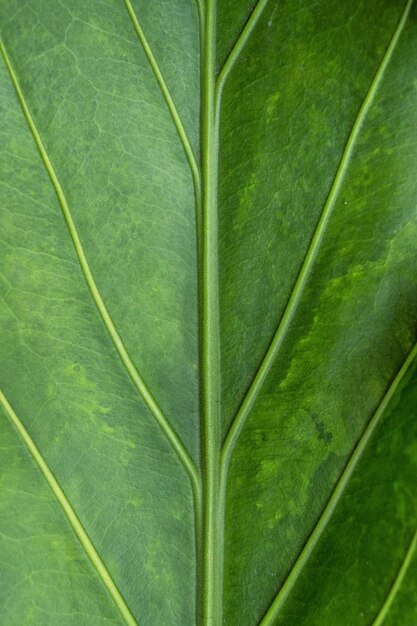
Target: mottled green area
[287, 110]
[84, 70]
[284, 125]
[102, 117]
[354, 566]
[45, 577]
[290, 112]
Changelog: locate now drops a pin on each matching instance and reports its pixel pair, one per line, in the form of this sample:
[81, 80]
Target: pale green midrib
[137, 380]
[69, 513]
[189, 152]
[239, 45]
[380, 618]
[311, 255]
[321, 525]
[209, 330]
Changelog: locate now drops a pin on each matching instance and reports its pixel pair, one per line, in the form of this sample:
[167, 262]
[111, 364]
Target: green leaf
[208, 308]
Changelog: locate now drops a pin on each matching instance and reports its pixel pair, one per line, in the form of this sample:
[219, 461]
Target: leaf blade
[197, 301]
[69, 512]
[309, 409]
[272, 615]
[81, 413]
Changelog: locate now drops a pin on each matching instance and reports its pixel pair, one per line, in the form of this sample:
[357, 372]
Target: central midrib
[212, 539]
[214, 474]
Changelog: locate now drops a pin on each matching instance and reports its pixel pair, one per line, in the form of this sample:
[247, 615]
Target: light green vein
[200, 8]
[379, 620]
[140, 385]
[69, 512]
[201, 32]
[281, 597]
[239, 45]
[311, 255]
[189, 152]
[209, 334]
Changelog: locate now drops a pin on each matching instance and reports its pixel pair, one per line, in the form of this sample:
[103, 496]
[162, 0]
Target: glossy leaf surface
[208, 308]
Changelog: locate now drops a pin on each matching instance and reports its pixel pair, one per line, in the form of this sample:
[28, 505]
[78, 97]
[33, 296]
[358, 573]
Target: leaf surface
[208, 305]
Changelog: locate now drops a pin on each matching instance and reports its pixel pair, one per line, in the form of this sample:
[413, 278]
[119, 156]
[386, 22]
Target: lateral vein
[189, 152]
[311, 255]
[69, 512]
[379, 620]
[297, 568]
[136, 378]
[200, 9]
[239, 45]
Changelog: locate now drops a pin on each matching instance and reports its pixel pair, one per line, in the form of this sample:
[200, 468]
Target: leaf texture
[208, 305]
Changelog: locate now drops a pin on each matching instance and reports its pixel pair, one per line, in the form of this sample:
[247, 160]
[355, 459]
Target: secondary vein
[296, 570]
[379, 620]
[239, 45]
[311, 255]
[69, 512]
[137, 380]
[200, 9]
[189, 152]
